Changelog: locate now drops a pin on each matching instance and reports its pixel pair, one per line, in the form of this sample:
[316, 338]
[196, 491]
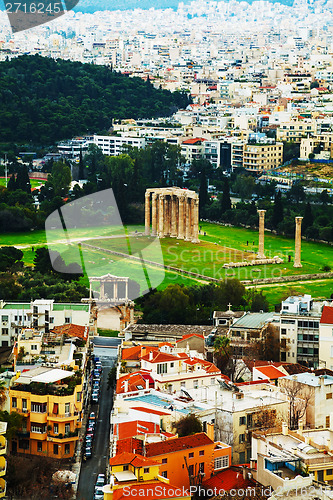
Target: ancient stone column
[261, 254]
[188, 228]
[154, 214]
[167, 218]
[174, 203]
[115, 290]
[195, 220]
[126, 289]
[147, 213]
[181, 214]
[102, 291]
[161, 216]
[298, 242]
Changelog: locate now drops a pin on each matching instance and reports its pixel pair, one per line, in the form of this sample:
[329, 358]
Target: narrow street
[106, 349]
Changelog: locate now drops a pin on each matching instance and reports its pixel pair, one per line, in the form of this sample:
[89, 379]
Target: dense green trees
[178, 304]
[43, 100]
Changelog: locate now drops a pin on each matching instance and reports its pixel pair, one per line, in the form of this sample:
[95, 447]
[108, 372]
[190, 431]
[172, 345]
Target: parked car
[100, 481]
[92, 416]
[99, 495]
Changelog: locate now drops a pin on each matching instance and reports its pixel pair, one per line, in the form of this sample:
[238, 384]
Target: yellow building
[3, 463]
[50, 401]
[259, 157]
[137, 476]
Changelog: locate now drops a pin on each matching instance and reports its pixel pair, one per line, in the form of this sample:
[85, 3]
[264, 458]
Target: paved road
[105, 348]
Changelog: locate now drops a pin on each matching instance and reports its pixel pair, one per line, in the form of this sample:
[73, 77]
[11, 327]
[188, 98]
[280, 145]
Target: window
[183, 384]
[329, 472]
[5, 331]
[328, 421]
[125, 467]
[4, 318]
[38, 407]
[78, 396]
[195, 384]
[55, 408]
[34, 347]
[14, 402]
[39, 446]
[67, 428]
[202, 467]
[329, 395]
[67, 409]
[221, 462]
[201, 453]
[164, 474]
[172, 365]
[242, 438]
[212, 381]
[146, 470]
[162, 368]
[55, 428]
[39, 429]
[67, 320]
[4, 343]
[191, 455]
[242, 420]
[283, 331]
[24, 444]
[164, 460]
[24, 406]
[191, 470]
[67, 449]
[55, 449]
[51, 319]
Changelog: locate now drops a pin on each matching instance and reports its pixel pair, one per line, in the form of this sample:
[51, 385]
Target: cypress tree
[11, 186]
[277, 210]
[308, 217]
[225, 201]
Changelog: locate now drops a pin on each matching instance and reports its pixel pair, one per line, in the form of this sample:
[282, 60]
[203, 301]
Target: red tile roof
[125, 458]
[159, 357]
[228, 479]
[129, 429]
[136, 351]
[130, 445]
[327, 315]
[136, 381]
[178, 444]
[72, 330]
[195, 140]
[184, 337]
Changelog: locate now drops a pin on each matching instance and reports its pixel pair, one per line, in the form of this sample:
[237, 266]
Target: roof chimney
[147, 383]
[151, 355]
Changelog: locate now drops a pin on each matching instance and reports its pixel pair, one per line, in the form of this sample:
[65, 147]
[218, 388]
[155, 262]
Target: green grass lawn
[321, 289]
[34, 182]
[219, 245]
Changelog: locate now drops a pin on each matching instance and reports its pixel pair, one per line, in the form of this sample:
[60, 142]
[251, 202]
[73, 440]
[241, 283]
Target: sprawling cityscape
[166, 250]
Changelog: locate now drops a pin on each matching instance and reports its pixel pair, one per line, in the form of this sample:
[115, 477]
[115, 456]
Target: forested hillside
[43, 100]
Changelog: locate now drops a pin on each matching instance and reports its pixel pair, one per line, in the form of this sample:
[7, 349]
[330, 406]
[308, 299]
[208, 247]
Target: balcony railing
[63, 415]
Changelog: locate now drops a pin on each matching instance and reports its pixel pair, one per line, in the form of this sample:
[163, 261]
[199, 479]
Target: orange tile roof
[136, 381]
[136, 352]
[194, 140]
[270, 372]
[228, 479]
[327, 315]
[177, 444]
[187, 336]
[130, 445]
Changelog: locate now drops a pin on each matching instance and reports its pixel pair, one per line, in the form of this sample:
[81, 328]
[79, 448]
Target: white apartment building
[113, 145]
[41, 315]
[299, 330]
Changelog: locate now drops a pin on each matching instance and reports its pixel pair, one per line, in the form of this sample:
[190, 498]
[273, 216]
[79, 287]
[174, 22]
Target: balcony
[60, 438]
[62, 416]
[39, 418]
[39, 436]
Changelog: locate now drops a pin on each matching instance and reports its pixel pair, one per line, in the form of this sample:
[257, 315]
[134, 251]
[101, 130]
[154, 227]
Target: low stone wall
[296, 277]
[256, 262]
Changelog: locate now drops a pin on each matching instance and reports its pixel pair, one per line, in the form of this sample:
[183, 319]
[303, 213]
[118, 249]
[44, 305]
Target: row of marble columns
[172, 214]
[298, 238]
